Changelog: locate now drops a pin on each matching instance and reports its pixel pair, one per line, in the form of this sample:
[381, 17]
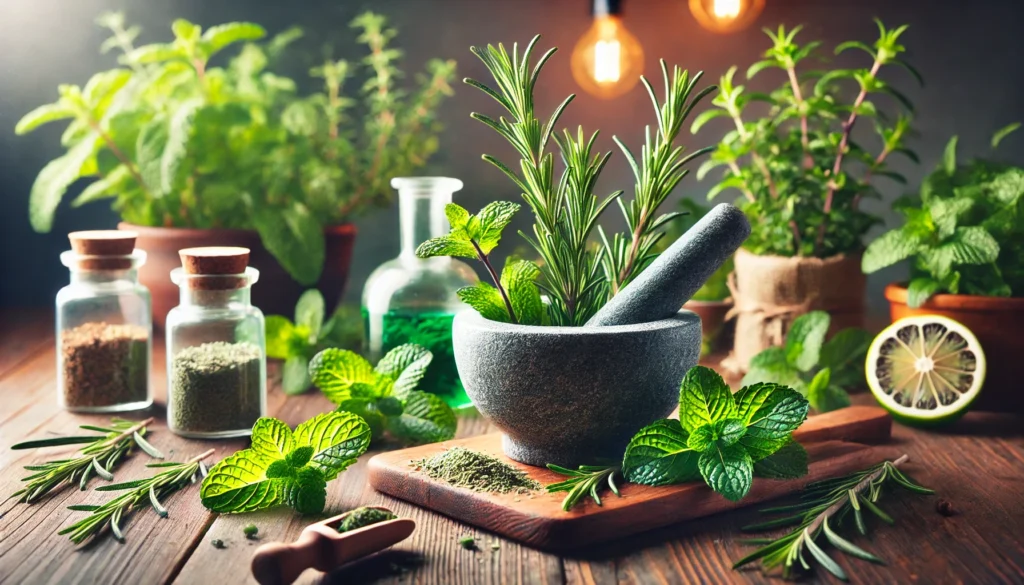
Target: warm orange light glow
[726, 16]
[608, 60]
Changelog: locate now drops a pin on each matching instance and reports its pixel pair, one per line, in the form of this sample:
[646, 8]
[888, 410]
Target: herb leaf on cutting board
[283, 467]
[720, 436]
[385, 396]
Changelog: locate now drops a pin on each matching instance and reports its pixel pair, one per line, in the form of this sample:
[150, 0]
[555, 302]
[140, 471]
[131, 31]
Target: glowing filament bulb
[606, 61]
[726, 16]
[726, 8]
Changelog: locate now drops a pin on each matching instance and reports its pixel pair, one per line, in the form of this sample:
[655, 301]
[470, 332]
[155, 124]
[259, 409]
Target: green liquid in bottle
[430, 330]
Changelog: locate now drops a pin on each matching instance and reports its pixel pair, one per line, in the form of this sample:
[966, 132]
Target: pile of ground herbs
[104, 365]
[215, 387]
[476, 471]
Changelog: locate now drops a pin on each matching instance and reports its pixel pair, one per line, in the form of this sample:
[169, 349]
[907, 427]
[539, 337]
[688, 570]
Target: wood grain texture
[977, 465]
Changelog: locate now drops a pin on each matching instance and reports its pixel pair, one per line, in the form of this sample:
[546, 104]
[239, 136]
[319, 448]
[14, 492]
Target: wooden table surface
[978, 466]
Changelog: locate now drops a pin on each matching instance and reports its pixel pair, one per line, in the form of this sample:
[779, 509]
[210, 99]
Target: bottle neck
[111, 277]
[215, 299]
[421, 217]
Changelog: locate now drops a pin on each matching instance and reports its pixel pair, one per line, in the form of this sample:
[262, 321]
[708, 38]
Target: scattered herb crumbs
[217, 543]
[467, 542]
[250, 531]
[476, 471]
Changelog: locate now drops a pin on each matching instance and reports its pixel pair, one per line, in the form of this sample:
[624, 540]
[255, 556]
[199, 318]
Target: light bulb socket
[607, 8]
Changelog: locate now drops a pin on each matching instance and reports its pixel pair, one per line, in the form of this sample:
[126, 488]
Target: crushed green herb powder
[476, 471]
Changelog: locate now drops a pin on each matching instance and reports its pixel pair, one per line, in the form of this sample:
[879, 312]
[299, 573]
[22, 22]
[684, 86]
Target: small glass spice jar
[104, 325]
[216, 352]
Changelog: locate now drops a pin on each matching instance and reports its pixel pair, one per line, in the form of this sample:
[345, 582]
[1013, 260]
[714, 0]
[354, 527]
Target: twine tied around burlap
[770, 292]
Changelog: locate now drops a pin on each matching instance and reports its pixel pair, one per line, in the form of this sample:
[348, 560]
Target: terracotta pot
[716, 331]
[770, 292]
[998, 323]
[275, 293]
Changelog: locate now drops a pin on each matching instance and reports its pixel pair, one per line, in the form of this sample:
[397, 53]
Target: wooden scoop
[323, 548]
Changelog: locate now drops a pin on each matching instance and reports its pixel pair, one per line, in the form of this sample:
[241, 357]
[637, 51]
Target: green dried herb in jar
[216, 386]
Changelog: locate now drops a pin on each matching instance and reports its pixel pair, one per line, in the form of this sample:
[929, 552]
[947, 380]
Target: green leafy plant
[284, 467]
[722, 438]
[964, 232]
[297, 341]
[820, 370]
[99, 457]
[178, 141]
[832, 500]
[385, 396]
[577, 275]
[800, 177]
[514, 298]
[140, 493]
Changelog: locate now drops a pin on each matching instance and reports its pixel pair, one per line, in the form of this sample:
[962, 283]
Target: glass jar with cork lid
[104, 325]
[216, 353]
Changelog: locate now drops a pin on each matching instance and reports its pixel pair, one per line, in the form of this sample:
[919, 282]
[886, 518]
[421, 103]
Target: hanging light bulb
[607, 60]
[726, 16]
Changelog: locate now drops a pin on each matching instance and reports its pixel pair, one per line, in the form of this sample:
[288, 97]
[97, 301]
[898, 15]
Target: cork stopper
[103, 249]
[224, 267]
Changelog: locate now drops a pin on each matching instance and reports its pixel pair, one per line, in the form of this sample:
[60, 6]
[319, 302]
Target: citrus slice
[925, 370]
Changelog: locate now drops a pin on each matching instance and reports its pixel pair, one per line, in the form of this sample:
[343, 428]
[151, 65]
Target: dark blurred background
[970, 54]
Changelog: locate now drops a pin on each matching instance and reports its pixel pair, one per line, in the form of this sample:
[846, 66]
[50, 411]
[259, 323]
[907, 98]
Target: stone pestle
[661, 289]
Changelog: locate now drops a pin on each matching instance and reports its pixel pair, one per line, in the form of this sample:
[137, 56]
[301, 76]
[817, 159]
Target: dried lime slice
[925, 370]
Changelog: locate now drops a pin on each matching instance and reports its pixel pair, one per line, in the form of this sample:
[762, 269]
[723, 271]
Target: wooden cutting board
[836, 442]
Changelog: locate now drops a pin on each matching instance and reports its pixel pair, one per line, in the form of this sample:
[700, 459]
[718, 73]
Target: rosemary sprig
[585, 481]
[825, 501]
[141, 492]
[100, 456]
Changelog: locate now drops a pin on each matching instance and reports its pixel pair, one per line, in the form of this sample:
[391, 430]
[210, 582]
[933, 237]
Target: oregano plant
[385, 395]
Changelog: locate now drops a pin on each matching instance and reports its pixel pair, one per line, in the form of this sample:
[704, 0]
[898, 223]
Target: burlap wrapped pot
[769, 292]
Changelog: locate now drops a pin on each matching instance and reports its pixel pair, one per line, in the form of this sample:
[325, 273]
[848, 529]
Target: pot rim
[695, 303]
[833, 258]
[683, 318]
[345, 228]
[896, 292]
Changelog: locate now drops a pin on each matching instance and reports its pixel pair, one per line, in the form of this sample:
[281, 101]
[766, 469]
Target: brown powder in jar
[105, 365]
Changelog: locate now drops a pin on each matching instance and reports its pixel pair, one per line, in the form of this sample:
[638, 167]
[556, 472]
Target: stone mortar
[573, 395]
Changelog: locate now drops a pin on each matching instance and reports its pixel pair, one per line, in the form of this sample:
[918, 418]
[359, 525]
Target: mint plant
[180, 135]
[385, 396]
[283, 467]
[724, 439]
[818, 369]
[514, 298]
[963, 232]
[297, 341]
[800, 177]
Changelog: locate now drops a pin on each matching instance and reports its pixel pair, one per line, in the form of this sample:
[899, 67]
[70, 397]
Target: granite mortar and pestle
[576, 395]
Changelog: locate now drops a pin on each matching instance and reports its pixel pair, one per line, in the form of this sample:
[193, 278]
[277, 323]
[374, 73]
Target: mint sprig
[720, 437]
[283, 467]
[385, 396]
[820, 370]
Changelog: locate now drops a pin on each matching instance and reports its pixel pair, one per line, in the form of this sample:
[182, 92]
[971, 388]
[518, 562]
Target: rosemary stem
[129, 431]
[200, 457]
[861, 486]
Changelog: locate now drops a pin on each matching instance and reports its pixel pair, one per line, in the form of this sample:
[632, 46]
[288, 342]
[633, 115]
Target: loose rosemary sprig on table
[99, 457]
[141, 492]
[586, 481]
[824, 501]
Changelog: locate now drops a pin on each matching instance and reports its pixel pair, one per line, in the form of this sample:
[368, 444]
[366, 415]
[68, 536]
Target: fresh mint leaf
[271, 439]
[789, 462]
[920, 290]
[295, 238]
[295, 375]
[300, 456]
[486, 300]
[278, 334]
[804, 340]
[728, 470]
[844, 354]
[337, 439]
[240, 483]
[457, 216]
[659, 455]
[280, 469]
[889, 248]
[772, 413]
[307, 493]
[771, 366]
[704, 398]
[518, 279]
[310, 311]
[425, 418]
[446, 246]
[947, 213]
[406, 365]
[367, 410]
[973, 245]
[721, 433]
[824, 395]
[342, 374]
[494, 217]
[702, 438]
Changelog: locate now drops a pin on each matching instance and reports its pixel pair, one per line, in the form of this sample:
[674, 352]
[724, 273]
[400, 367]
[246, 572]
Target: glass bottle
[104, 325]
[216, 351]
[413, 300]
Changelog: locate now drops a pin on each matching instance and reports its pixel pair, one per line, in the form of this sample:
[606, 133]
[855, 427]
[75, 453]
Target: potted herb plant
[964, 237]
[535, 364]
[196, 153]
[801, 180]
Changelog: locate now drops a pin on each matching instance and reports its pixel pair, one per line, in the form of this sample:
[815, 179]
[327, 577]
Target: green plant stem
[813, 527]
[843, 142]
[497, 281]
[798, 96]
